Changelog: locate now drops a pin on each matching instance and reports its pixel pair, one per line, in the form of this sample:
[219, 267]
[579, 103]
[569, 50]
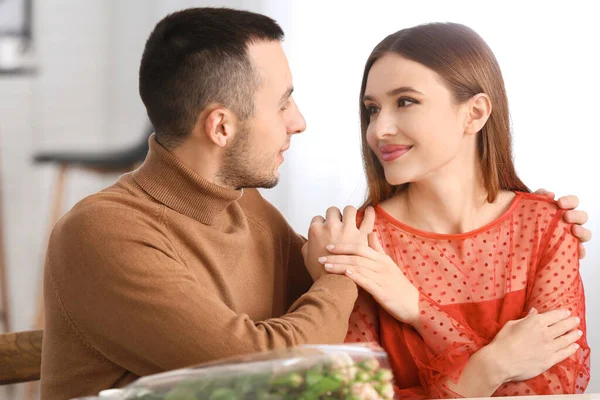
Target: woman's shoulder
[537, 207]
[541, 215]
[534, 198]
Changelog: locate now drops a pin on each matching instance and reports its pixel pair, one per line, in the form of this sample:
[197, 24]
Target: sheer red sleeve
[363, 325]
[557, 284]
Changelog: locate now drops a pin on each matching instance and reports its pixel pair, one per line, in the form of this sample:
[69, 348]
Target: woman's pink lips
[393, 152]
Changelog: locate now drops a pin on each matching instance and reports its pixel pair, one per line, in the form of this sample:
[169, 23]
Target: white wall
[548, 52]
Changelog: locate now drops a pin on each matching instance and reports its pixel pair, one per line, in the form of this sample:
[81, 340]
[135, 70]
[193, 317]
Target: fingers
[545, 193]
[368, 222]
[581, 251]
[338, 269]
[532, 311]
[356, 261]
[568, 202]
[564, 326]
[364, 282]
[581, 233]
[363, 272]
[576, 217]
[552, 317]
[333, 215]
[374, 243]
[349, 265]
[354, 249]
[567, 339]
[349, 217]
[563, 354]
[317, 219]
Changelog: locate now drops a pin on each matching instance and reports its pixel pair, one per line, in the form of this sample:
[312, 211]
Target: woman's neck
[448, 202]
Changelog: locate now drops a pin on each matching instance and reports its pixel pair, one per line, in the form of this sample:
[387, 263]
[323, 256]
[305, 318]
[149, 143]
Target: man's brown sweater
[164, 270]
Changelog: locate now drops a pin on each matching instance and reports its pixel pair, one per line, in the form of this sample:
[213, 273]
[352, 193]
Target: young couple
[470, 282]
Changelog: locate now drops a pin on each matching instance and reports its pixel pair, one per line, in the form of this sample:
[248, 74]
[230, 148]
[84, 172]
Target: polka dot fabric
[470, 285]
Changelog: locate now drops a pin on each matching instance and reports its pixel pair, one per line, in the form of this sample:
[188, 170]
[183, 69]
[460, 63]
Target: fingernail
[328, 266]
[322, 259]
[577, 320]
[348, 272]
[567, 313]
[330, 247]
[576, 346]
[580, 333]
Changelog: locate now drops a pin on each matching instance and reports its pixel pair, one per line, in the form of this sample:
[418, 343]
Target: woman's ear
[480, 108]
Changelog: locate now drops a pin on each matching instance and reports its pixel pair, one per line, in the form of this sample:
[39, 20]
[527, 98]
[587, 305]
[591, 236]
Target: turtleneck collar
[169, 181]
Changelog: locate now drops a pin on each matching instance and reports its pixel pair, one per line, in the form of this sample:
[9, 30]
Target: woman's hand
[529, 346]
[373, 270]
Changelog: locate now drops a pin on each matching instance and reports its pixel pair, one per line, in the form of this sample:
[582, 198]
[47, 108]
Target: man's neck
[199, 159]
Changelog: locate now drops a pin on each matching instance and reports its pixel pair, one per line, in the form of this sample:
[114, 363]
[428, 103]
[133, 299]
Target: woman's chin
[397, 180]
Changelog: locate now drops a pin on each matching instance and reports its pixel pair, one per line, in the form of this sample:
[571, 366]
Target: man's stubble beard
[238, 170]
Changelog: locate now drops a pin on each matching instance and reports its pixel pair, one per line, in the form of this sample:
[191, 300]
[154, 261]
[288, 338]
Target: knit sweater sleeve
[127, 294]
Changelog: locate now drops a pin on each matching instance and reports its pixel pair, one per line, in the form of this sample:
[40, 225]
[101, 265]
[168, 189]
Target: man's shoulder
[261, 211]
[105, 234]
[109, 211]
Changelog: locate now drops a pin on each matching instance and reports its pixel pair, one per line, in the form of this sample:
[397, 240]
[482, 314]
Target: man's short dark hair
[196, 57]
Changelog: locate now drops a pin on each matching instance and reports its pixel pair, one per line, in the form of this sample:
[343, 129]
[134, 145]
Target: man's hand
[334, 228]
[572, 216]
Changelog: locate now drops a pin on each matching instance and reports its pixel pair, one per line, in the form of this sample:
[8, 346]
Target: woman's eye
[403, 102]
[371, 110]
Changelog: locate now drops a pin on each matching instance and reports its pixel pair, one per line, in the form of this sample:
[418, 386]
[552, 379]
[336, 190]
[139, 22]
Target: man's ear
[480, 108]
[219, 125]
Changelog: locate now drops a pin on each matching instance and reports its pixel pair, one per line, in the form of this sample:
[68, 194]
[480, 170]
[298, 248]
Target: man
[182, 261]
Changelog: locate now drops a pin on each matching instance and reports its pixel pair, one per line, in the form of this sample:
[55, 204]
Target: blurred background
[68, 83]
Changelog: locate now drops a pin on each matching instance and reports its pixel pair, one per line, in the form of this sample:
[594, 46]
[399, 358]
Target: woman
[473, 282]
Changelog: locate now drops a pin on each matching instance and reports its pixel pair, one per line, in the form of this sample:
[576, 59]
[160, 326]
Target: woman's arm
[542, 353]
[557, 284]
[458, 361]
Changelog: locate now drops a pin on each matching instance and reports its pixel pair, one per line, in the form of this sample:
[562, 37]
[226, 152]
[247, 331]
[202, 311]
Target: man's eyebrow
[287, 94]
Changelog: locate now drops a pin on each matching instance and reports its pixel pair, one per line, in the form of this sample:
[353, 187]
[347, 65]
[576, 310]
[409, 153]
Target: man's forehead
[259, 49]
[270, 60]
